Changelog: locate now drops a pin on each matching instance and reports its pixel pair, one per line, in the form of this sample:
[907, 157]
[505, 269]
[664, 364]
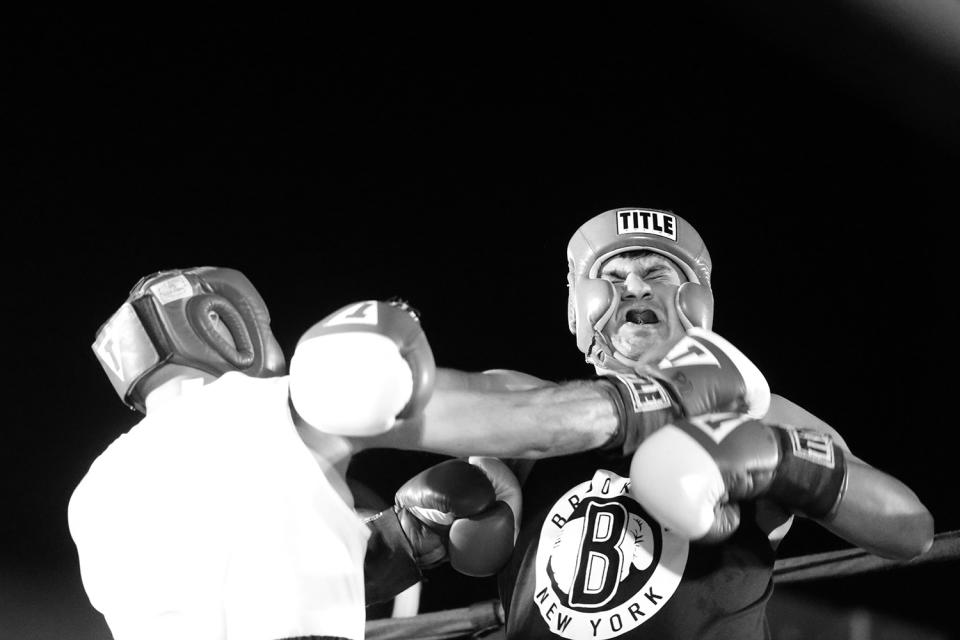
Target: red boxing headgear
[593, 300]
[169, 319]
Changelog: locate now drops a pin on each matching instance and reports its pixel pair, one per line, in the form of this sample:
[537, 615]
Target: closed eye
[657, 273]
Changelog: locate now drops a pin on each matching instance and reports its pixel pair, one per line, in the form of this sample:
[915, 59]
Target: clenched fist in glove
[702, 373]
[690, 475]
[464, 511]
[467, 512]
[361, 369]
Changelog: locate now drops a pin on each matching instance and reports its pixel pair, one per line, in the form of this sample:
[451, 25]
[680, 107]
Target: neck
[174, 388]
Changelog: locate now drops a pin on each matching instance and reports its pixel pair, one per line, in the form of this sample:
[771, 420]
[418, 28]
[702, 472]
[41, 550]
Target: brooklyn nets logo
[604, 566]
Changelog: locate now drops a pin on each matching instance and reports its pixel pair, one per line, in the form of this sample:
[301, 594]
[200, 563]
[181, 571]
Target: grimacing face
[646, 321]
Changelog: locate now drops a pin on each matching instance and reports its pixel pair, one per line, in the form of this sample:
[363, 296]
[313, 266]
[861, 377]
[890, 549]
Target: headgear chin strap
[171, 318]
[592, 301]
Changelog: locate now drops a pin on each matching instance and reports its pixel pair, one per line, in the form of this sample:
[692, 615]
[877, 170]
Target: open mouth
[646, 316]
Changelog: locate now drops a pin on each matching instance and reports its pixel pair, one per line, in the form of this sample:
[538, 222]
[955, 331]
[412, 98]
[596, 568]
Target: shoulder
[234, 379]
[784, 411]
[237, 389]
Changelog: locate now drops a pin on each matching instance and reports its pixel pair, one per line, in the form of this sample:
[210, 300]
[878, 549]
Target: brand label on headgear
[172, 289]
[657, 223]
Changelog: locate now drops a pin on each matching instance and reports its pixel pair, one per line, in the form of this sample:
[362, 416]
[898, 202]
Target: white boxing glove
[358, 370]
[691, 474]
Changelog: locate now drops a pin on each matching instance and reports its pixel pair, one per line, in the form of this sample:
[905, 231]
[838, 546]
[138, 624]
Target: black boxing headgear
[171, 318]
[592, 300]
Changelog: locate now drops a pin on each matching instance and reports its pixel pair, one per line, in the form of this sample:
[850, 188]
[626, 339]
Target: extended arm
[468, 415]
[469, 412]
[366, 373]
[877, 512]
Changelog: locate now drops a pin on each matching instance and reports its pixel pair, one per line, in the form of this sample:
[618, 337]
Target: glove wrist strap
[643, 405]
[812, 475]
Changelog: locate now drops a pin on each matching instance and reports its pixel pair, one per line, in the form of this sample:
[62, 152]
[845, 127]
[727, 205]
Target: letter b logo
[600, 561]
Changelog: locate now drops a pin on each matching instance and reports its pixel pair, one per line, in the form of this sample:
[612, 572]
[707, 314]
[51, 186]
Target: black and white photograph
[421, 323]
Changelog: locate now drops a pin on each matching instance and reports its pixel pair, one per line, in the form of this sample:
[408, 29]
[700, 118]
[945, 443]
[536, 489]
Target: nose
[636, 287]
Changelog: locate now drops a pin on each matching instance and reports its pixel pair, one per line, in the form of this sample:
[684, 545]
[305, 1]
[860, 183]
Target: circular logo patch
[604, 566]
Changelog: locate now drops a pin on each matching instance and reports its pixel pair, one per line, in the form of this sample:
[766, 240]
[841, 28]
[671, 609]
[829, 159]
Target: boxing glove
[702, 373]
[361, 369]
[464, 511]
[689, 475]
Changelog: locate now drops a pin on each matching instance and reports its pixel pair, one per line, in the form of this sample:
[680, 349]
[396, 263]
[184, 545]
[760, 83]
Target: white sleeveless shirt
[211, 519]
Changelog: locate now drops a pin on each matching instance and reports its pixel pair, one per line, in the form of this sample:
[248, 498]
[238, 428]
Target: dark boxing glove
[464, 512]
[689, 475]
[361, 369]
[702, 373]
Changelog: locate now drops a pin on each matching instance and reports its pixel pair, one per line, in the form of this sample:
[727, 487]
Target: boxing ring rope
[476, 619]
[848, 562]
[486, 616]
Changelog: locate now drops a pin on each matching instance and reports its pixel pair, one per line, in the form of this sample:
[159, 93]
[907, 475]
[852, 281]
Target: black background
[447, 158]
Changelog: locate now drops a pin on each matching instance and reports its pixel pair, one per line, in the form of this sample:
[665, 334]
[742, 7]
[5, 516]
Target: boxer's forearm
[882, 515]
[877, 512]
[389, 566]
[550, 421]
[466, 417]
